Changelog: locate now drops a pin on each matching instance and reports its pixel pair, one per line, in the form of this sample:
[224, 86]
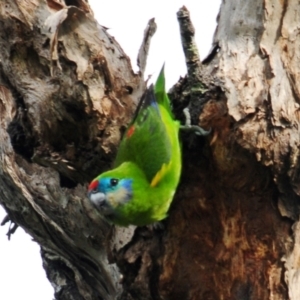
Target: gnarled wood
[67, 91]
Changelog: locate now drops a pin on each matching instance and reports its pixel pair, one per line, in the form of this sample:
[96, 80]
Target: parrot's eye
[114, 181]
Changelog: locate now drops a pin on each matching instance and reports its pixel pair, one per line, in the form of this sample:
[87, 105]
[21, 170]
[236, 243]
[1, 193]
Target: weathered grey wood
[67, 90]
[267, 96]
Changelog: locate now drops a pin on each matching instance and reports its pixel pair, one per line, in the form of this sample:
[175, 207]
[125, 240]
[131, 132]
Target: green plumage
[147, 167]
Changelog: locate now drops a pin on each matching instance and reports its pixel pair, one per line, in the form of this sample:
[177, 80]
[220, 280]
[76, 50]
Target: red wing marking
[130, 131]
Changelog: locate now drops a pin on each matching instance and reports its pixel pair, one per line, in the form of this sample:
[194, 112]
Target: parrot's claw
[189, 127]
[196, 129]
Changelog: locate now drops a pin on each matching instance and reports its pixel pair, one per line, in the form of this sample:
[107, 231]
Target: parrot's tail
[160, 92]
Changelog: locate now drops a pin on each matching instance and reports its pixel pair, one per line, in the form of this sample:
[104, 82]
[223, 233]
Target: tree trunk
[67, 91]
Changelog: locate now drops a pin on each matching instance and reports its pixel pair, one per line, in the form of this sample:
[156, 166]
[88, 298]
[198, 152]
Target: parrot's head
[117, 193]
[108, 193]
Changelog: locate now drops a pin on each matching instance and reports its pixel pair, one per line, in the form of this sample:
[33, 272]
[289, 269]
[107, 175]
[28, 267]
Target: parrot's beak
[98, 199]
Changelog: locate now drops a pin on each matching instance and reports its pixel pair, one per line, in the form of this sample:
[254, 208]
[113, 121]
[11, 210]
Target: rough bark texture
[67, 91]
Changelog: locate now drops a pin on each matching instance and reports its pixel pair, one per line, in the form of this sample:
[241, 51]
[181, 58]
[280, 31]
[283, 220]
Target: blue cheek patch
[105, 186]
[127, 184]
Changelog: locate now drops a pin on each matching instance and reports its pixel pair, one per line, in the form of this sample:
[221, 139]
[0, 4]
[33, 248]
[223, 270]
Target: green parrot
[140, 187]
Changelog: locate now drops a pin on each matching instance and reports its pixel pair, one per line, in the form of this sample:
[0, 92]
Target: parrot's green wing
[141, 186]
[146, 141]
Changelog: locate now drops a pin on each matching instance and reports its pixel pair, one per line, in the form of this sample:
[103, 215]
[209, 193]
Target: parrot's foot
[196, 129]
[189, 127]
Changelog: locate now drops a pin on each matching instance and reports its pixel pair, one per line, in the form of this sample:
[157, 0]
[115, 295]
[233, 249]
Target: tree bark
[67, 91]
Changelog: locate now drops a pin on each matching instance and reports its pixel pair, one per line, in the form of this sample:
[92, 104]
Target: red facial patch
[93, 185]
[130, 131]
